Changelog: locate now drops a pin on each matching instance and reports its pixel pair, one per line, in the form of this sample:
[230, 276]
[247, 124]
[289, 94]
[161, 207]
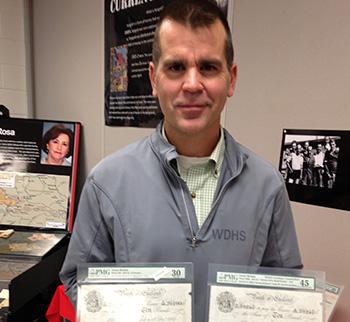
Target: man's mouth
[194, 105]
[191, 110]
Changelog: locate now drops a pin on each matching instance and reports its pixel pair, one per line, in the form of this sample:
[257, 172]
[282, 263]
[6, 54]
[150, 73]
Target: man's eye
[176, 67]
[209, 68]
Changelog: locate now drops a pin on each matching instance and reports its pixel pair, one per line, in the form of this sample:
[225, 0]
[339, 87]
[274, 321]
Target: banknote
[135, 302]
[264, 304]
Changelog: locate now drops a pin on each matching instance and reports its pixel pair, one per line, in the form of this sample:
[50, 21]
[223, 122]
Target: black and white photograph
[310, 160]
[314, 165]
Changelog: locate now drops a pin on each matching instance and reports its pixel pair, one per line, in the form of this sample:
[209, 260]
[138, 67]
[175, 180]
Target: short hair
[195, 13]
[53, 133]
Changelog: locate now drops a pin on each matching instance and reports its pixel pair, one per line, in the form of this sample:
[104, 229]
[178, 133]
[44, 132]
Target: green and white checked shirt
[201, 176]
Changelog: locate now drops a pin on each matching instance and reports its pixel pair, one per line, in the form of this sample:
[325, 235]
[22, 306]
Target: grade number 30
[175, 273]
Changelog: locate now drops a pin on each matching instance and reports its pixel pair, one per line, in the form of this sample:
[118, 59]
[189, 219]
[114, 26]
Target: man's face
[191, 79]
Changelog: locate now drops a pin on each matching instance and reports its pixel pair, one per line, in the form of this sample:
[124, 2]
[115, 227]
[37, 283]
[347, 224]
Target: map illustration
[35, 200]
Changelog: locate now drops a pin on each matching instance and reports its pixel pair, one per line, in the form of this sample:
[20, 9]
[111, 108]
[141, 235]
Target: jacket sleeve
[282, 248]
[91, 237]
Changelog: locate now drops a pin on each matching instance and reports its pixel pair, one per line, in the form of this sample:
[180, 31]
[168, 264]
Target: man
[308, 164]
[297, 161]
[286, 168]
[331, 164]
[189, 192]
[318, 169]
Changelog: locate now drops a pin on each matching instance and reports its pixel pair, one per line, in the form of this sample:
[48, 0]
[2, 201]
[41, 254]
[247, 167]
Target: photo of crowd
[310, 160]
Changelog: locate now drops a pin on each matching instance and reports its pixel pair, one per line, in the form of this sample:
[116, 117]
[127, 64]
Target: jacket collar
[235, 156]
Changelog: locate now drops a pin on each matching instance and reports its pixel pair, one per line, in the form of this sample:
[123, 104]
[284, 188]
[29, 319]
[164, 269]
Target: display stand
[255, 294]
[37, 199]
[135, 292]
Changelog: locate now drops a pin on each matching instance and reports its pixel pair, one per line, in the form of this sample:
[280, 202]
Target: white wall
[67, 55]
[15, 64]
[294, 72]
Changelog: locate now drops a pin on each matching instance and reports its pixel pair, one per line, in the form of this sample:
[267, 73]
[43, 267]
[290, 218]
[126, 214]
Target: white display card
[135, 302]
[229, 303]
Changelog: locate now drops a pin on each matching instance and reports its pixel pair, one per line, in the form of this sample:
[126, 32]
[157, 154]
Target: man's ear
[232, 85]
[152, 78]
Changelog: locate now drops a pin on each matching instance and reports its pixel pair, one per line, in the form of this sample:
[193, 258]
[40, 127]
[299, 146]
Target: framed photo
[315, 165]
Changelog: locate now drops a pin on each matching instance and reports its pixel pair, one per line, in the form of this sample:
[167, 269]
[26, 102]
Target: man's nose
[193, 81]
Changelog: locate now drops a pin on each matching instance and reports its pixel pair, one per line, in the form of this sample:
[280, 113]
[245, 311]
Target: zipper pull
[194, 240]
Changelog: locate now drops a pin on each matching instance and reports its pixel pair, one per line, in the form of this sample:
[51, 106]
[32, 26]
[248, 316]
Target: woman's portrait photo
[57, 144]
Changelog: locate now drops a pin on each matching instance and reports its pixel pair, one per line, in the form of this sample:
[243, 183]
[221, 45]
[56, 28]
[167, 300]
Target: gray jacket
[135, 208]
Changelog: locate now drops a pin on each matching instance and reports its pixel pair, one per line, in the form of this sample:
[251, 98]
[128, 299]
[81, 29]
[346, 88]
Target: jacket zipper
[194, 238]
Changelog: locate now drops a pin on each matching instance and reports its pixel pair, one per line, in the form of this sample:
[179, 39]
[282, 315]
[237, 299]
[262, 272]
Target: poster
[129, 31]
[315, 165]
[38, 169]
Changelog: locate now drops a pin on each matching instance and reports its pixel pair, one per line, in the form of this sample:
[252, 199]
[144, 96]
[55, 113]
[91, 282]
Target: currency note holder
[264, 294]
[135, 292]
